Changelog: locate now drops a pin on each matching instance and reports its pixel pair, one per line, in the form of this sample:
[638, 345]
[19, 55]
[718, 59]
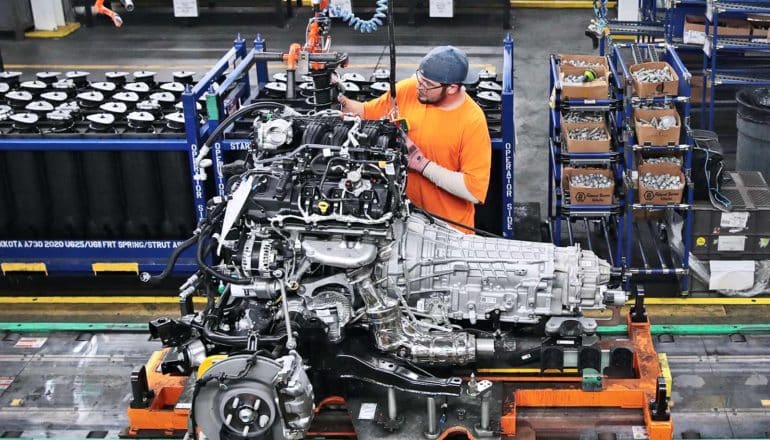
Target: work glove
[417, 160]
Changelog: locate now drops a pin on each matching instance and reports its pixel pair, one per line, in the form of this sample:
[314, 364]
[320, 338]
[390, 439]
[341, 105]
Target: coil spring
[363, 26]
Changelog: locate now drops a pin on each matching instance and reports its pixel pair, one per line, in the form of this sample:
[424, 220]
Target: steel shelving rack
[641, 236]
[243, 74]
[730, 44]
[561, 214]
[633, 247]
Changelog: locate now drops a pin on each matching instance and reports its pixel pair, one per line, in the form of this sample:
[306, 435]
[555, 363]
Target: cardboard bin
[696, 90]
[604, 70]
[596, 89]
[651, 90]
[695, 28]
[565, 124]
[588, 196]
[651, 136]
[650, 196]
[586, 146]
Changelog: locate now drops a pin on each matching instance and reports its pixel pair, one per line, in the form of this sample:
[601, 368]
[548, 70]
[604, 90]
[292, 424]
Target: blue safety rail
[598, 226]
[84, 256]
[715, 46]
[643, 223]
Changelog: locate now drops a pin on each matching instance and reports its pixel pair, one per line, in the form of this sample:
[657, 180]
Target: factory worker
[449, 146]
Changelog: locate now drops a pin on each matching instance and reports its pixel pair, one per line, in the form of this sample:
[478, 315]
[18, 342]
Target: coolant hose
[363, 26]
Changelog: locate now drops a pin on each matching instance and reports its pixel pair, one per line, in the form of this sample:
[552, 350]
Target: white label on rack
[367, 412]
[731, 243]
[734, 220]
[694, 37]
[185, 8]
[709, 12]
[590, 101]
[707, 47]
[441, 8]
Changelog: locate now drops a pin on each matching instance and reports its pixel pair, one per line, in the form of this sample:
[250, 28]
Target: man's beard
[425, 100]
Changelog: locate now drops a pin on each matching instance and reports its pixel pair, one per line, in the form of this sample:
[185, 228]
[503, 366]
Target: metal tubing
[607, 240]
[655, 245]
[392, 409]
[432, 420]
[588, 235]
[641, 246]
[485, 411]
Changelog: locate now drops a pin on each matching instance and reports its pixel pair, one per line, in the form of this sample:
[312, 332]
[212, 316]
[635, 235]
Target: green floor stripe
[690, 329]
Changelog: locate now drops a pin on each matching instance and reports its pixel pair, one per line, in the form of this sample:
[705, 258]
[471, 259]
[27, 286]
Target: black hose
[156, 279]
[234, 341]
[199, 256]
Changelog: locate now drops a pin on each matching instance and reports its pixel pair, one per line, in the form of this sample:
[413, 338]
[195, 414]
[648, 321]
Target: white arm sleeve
[452, 182]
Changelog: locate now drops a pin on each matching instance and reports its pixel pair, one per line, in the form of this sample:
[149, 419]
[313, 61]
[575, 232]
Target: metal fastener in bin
[661, 181]
[587, 134]
[582, 117]
[653, 75]
[90, 99]
[663, 123]
[593, 180]
[664, 159]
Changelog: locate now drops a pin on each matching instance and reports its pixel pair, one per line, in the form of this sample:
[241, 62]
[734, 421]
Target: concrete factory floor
[165, 48]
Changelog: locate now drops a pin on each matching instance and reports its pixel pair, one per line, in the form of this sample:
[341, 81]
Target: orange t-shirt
[456, 139]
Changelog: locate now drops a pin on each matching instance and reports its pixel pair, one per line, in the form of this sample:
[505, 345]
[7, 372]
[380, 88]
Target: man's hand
[417, 160]
[348, 105]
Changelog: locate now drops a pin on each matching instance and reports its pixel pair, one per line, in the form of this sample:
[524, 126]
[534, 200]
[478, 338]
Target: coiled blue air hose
[363, 26]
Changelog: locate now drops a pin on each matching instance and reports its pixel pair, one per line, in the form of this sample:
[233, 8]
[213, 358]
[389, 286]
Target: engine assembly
[316, 267]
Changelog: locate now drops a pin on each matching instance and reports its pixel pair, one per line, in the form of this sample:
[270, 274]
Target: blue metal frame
[714, 45]
[506, 143]
[560, 211]
[78, 256]
[682, 102]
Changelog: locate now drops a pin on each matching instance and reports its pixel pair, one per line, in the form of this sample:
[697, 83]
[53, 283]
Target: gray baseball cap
[446, 65]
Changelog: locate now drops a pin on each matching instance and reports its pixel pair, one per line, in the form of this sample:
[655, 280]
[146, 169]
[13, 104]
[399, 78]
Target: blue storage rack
[560, 212]
[714, 45]
[634, 234]
[627, 242]
[238, 65]
[93, 256]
